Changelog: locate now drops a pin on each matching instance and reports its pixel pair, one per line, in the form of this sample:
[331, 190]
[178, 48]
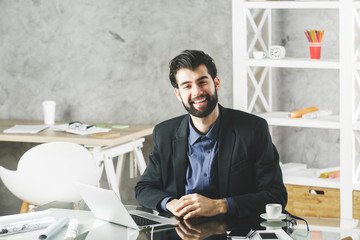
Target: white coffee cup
[49, 107]
[259, 54]
[273, 210]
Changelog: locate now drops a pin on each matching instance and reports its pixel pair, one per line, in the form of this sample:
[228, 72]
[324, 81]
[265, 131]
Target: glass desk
[203, 228]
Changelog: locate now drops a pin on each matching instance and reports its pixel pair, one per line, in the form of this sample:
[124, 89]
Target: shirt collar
[194, 135]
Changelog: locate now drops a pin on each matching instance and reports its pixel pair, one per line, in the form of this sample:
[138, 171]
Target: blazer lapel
[180, 159]
[226, 145]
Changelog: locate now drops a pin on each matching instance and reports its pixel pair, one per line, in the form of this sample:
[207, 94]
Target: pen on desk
[85, 127]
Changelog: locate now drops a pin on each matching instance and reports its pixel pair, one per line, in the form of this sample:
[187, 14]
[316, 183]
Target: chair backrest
[47, 171]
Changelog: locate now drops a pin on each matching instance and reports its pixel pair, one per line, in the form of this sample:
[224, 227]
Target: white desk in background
[104, 150]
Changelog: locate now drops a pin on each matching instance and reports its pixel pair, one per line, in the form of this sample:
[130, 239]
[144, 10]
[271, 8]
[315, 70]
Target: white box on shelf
[292, 167]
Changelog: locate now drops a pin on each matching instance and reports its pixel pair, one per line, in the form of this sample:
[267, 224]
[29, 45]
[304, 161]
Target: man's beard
[212, 102]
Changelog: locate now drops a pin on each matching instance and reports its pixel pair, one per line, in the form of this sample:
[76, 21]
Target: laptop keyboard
[141, 221]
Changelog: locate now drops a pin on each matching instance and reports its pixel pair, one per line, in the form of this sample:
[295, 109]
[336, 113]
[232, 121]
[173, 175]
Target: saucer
[281, 217]
[273, 224]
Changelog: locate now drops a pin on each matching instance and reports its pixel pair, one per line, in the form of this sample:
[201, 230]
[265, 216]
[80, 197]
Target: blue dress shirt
[201, 176]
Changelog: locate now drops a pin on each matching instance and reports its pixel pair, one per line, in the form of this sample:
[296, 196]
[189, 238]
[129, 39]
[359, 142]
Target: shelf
[282, 119]
[357, 65]
[307, 178]
[356, 126]
[356, 4]
[294, 63]
[356, 186]
[293, 4]
[258, 15]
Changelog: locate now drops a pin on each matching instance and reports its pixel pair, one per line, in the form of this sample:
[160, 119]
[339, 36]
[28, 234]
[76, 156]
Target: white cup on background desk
[49, 107]
[259, 54]
[273, 210]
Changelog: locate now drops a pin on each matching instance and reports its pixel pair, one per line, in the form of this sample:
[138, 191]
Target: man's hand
[171, 206]
[196, 205]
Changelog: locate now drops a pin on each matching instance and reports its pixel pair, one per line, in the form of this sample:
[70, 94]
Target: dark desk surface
[200, 228]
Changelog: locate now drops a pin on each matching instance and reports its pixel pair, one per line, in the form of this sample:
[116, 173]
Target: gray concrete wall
[102, 61]
[107, 61]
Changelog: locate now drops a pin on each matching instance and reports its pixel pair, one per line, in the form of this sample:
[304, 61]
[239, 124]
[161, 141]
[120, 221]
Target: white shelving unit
[255, 18]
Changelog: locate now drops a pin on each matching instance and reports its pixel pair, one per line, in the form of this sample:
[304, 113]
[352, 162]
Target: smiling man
[214, 160]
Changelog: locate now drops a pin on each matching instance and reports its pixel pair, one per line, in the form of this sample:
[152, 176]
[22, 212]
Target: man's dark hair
[191, 59]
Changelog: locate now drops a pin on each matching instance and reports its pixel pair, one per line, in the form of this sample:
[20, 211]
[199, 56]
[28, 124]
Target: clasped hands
[196, 205]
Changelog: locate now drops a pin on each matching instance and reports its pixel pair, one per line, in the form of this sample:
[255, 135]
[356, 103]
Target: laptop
[106, 205]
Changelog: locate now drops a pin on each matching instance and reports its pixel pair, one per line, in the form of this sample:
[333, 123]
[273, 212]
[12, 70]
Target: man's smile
[200, 100]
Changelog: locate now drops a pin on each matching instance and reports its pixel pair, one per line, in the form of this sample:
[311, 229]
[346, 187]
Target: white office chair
[47, 171]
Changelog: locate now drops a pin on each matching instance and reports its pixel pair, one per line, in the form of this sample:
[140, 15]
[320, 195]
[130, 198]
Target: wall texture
[102, 61]
[107, 61]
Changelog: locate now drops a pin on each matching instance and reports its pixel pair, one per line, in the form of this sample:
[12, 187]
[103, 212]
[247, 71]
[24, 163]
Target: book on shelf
[299, 113]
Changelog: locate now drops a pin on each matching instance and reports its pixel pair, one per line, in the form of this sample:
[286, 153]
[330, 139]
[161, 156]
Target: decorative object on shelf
[331, 172]
[317, 114]
[334, 174]
[277, 52]
[301, 112]
[259, 54]
[314, 37]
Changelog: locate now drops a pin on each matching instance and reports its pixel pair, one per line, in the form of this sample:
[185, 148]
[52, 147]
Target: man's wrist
[168, 204]
[221, 205]
[164, 203]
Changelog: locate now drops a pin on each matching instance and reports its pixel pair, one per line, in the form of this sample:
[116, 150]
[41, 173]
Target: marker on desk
[53, 228]
[72, 229]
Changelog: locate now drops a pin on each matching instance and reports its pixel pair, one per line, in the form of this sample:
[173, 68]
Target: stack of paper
[26, 129]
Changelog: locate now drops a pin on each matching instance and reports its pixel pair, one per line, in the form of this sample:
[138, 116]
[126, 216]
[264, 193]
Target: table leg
[111, 177]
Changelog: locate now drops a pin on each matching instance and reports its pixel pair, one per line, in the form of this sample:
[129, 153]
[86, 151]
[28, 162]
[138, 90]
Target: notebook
[106, 205]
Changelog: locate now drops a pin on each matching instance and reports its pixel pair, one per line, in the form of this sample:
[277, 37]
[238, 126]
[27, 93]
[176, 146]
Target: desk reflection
[211, 228]
[194, 229]
[200, 229]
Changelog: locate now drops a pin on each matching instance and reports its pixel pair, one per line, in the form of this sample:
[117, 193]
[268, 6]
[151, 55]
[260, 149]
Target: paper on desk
[19, 223]
[92, 130]
[26, 129]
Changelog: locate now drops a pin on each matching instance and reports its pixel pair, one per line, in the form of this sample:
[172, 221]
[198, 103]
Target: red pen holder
[315, 50]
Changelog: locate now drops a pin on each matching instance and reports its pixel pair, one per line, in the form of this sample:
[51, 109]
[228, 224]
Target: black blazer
[247, 166]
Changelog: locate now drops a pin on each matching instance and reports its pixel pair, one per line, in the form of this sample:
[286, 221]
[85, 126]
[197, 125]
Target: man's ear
[177, 93]
[217, 83]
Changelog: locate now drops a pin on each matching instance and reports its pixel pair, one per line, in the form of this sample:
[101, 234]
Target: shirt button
[209, 151]
[205, 174]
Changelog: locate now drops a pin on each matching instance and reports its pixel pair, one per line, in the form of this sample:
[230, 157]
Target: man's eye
[186, 86]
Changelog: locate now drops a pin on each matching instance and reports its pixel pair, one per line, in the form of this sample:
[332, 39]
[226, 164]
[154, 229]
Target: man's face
[197, 90]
